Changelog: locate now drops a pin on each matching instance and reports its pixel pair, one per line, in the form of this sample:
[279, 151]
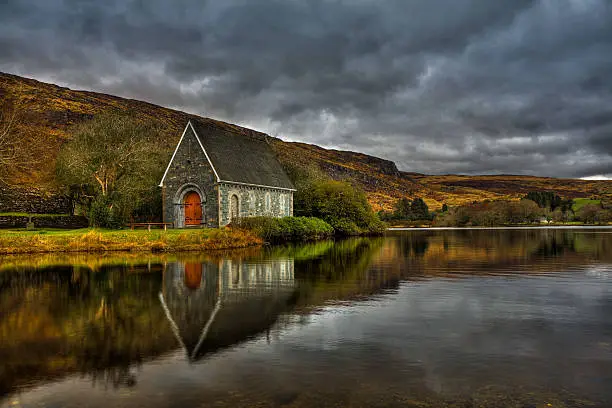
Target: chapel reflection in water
[219, 303]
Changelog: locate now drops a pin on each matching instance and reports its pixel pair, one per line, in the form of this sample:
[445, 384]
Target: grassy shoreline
[424, 224]
[100, 240]
[510, 226]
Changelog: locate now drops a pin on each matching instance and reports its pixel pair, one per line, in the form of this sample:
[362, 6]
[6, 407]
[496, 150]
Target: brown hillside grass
[52, 110]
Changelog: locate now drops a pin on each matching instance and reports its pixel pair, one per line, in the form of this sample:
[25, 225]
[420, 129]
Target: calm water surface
[460, 318]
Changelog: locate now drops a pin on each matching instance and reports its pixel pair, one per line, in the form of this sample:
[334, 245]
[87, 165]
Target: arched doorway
[193, 208]
[234, 207]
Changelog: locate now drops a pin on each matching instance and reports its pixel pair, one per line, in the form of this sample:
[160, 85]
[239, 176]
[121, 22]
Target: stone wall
[33, 201]
[41, 221]
[254, 201]
[190, 171]
[8, 221]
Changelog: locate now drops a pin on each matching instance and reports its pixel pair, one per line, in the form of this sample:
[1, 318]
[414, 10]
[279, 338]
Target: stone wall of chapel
[254, 201]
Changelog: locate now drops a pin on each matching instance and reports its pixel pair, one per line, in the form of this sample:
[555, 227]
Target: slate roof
[240, 156]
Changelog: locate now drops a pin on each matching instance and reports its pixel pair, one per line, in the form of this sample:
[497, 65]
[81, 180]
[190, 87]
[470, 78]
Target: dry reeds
[94, 240]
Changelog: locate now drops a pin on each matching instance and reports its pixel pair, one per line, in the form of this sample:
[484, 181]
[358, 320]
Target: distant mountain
[52, 110]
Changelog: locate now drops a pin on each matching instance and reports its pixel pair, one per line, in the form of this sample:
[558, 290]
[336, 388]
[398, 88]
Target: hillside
[48, 111]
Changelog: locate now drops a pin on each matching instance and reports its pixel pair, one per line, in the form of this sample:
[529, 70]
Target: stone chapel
[219, 172]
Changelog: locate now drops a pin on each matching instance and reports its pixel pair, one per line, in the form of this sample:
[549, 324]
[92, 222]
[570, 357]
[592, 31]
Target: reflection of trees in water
[103, 323]
[73, 319]
[345, 258]
[413, 244]
[342, 271]
[436, 251]
[555, 245]
[122, 321]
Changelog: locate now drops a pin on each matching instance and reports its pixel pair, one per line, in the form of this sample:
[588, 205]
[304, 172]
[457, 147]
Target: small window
[235, 274]
[234, 207]
[268, 203]
[281, 203]
[252, 207]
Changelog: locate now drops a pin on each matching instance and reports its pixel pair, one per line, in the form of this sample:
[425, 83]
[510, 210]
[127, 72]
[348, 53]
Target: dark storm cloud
[471, 86]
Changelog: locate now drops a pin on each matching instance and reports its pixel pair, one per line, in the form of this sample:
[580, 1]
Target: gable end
[178, 145]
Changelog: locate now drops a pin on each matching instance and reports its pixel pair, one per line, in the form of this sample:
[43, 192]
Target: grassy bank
[542, 225]
[98, 240]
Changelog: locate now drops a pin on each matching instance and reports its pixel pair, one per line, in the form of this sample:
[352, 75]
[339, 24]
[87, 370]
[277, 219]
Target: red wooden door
[193, 275]
[193, 209]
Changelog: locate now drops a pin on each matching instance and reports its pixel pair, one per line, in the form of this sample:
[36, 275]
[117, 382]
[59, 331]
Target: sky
[438, 86]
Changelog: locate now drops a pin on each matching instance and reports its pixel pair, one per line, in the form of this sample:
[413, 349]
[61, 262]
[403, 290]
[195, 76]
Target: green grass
[581, 202]
[100, 240]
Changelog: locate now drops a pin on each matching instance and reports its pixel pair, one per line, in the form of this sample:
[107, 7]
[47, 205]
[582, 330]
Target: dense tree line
[491, 213]
[406, 210]
[550, 208]
[549, 200]
[556, 209]
[593, 214]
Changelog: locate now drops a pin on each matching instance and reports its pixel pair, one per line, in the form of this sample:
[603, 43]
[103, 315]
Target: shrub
[341, 205]
[285, 229]
[101, 214]
[346, 227]
[589, 213]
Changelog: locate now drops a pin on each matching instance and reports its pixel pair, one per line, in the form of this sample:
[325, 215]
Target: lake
[426, 318]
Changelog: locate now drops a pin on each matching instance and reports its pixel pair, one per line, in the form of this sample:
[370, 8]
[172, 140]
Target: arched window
[235, 270]
[268, 203]
[281, 204]
[252, 204]
[234, 209]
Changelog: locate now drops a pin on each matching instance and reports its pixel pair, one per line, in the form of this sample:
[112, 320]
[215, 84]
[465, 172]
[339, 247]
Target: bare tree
[15, 140]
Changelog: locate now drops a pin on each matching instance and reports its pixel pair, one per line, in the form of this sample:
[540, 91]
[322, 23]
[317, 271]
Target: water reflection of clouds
[523, 328]
[599, 272]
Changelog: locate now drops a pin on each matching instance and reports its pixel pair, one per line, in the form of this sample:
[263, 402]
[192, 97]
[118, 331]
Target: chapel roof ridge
[240, 155]
[231, 127]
